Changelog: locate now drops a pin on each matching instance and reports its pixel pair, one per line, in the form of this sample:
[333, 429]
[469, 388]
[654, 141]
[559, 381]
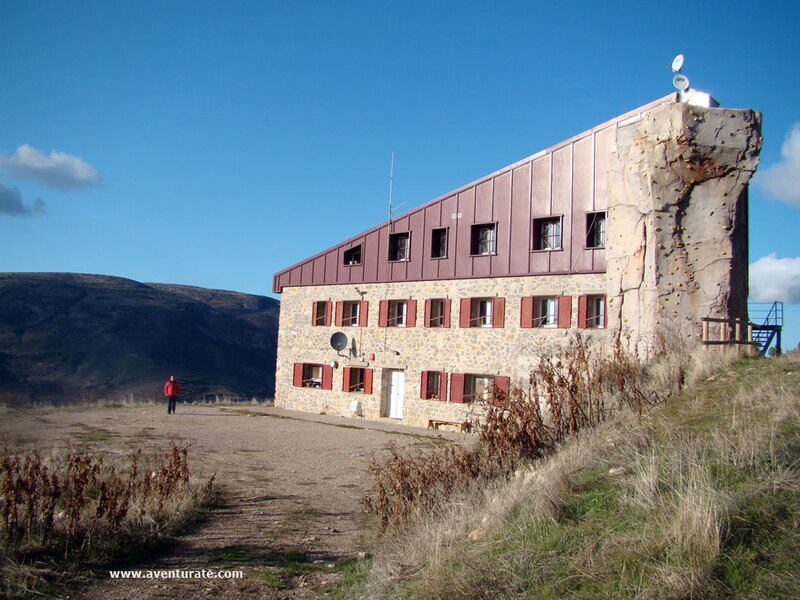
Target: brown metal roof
[567, 180]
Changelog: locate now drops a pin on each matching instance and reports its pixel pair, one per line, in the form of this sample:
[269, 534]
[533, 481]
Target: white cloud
[11, 204]
[782, 180]
[773, 278]
[57, 169]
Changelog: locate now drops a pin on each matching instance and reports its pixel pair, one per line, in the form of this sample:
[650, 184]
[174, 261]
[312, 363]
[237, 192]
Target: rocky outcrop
[677, 220]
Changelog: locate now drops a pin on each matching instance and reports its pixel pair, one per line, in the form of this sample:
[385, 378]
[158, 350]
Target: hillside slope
[67, 337]
[698, 498]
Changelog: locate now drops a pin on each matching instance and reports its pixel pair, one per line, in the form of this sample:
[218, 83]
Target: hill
[68, 337]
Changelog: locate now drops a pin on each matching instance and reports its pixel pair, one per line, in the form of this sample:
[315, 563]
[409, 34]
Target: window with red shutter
[457, 387]
[367, 381]
[526, 312]
[339, 314]
[383, 313]
[582, 312]
[564, 312]
[423, 385]
[411, 313]
[327, 377]
[464, 313]
[363, 313]
[498, 312]
[297, 375]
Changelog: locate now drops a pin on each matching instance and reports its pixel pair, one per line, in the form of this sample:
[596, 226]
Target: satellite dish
[338, 341]
[677, 63]
[681, 82]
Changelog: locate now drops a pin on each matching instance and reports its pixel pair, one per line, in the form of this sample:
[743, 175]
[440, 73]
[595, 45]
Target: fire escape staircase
[766, 322]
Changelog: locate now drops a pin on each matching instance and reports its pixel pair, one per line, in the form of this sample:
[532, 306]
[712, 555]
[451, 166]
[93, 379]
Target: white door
[397, 381]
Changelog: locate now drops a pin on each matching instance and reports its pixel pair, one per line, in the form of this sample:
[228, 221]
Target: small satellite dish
[681, 82]
[677, 63]
[338, 341]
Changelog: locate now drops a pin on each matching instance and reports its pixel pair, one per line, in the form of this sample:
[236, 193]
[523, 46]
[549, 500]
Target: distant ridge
[70, 337]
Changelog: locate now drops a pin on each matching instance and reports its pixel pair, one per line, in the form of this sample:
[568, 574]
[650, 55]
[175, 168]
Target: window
[397, 313]
[437, 312]
[545, 312]
[399, 246]
[439, 243]
[357, 380]
[484, 239]
[350, 314]
[592, 311]
[477, 388]
[596, 230]
[434, 385]
[353, 256]
[312, 376]
[547, 233]
[309, 375]
[321, 314]
[482, 312]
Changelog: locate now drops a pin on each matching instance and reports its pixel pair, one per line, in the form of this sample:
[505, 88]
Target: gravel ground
[292, 482]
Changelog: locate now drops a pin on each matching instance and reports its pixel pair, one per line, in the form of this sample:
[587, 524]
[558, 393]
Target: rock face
[677, 220]
[67, 337]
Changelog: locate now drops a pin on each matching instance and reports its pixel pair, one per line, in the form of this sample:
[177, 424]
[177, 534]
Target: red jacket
[172, 388]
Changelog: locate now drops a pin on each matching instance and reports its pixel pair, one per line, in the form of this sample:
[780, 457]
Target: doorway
[395, 389]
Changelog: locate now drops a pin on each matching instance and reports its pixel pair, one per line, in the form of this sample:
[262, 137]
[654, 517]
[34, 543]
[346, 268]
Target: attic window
[484, 239]
[353, 256]
[439, 243]
[547, 233]
[399, 246]
[596, 230]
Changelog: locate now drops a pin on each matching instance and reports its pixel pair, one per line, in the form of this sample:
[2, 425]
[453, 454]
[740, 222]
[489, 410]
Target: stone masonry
[509, 351]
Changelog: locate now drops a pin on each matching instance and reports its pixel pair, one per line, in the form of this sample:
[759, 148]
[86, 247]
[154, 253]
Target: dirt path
[293, 484]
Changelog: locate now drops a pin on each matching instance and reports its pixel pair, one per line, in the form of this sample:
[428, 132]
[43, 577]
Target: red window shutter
[443, 387]
[503, 383]
[411, 313]
[313, 313]
[463, 317]
[363, 313]
[427, 317]
[328, 307]
[582, 312]
[499, 312]
[446, 319]
[457, 387]
[564, 311]
[297, 378]
[327, 377]
[423, 385]
[367, 381]
[383, 313]
[346, 379]
[339, 314]
[526, 312]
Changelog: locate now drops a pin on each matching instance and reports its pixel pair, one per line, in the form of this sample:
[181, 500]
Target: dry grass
[62, 512]
[648, 504]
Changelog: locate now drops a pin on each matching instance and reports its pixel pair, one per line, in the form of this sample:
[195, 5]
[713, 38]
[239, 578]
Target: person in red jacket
[171, 390]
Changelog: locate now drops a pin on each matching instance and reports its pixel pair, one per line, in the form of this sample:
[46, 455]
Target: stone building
[638, 225]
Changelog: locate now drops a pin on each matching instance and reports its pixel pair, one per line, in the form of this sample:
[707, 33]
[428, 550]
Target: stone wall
[677, 220]
[508, 351]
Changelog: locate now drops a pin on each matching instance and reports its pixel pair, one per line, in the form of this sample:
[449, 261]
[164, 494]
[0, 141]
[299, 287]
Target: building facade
[424, 317]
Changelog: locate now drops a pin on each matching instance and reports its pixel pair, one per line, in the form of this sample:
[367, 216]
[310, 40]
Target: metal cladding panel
[561, 200]
[603, 147]
[447, 266]
[466, 210]
[542, 180]
[418, 254]
[582, 191]
[519, 220]
[568, 179]
[502, 215]
[371, 244]
[484, 198]
[331, 266]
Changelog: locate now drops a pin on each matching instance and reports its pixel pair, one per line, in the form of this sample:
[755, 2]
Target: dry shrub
[569, 391]
[68, 507]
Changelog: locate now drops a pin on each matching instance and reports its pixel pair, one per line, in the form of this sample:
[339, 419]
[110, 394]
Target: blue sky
[214, 143]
